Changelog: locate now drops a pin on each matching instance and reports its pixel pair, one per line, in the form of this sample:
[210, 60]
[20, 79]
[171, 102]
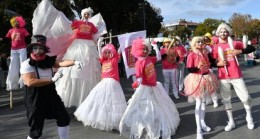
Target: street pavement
[13, 123]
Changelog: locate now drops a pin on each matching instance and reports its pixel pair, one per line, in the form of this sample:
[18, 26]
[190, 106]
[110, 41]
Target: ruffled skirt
[150, 113]
[76, 84]
[104, 106]
[197, 85]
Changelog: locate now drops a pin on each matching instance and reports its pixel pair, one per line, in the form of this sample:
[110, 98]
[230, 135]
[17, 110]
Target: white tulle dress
[104, 106]
[150, 114]
[75, 85]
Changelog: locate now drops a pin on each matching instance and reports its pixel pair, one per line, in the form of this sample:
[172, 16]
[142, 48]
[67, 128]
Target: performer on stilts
[18, 54]
[75, 86]
[72, 40]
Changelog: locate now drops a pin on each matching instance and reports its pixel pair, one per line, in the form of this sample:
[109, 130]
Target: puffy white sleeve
[26, 68]
[100, 24]
[53, 24]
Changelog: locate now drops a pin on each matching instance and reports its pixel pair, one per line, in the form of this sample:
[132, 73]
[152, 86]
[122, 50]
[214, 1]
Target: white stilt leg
[11, 100]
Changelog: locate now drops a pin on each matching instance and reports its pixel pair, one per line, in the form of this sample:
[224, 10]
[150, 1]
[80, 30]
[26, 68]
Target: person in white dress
[151, 113]
[105, 104]
[75, 86]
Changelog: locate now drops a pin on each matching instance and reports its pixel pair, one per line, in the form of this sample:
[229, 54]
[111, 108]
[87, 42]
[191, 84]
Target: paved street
[13, 123]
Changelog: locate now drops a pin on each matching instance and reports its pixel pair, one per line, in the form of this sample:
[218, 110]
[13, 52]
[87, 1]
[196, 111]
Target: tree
[239, 24]
[254, 29]
[183, 32]
[208, 25]
[121, 16]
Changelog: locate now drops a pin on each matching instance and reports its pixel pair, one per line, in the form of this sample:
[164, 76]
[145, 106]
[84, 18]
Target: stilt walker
[18, 54]
[72, 40]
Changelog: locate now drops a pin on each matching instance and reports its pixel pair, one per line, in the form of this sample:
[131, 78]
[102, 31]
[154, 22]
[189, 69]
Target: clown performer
[105, 104]
[233, 76]
[170, 60]
[209, 47]
[75, 86]
[17, 35]
[41, 99]
[200, 83]
[150, 105]
[181, 65]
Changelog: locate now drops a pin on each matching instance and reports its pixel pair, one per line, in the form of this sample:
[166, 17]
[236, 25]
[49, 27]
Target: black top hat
[38, 40]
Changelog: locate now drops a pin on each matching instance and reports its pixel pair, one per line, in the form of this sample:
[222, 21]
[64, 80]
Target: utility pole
[144, 14]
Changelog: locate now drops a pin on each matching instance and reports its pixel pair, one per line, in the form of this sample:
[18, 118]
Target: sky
[198, 10]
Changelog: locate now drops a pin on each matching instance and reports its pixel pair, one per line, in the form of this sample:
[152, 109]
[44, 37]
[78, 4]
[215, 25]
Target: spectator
[3, 70]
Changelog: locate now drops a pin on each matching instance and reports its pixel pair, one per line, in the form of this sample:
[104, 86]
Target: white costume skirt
[104, 106]
[150, 114]
[76, 84]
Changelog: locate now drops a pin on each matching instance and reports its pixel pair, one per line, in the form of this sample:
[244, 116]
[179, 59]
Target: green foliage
[123, 16]
[208, 25]
[182, 32]
[254, 29]
[239, 23]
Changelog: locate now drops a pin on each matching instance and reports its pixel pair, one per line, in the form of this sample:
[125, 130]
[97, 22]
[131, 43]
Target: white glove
[155, 47]
[78, 64]
[57, 76]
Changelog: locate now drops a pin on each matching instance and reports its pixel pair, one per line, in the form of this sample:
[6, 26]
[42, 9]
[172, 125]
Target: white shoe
[176, 96]
[215, 104]
[250, 123]
[230, 126]
[206, 128]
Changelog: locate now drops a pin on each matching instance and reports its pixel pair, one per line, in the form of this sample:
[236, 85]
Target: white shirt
[27, 68]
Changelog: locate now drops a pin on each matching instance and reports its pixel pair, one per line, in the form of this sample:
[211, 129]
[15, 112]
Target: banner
[125, 42]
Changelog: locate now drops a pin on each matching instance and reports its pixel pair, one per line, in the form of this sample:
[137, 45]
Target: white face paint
[199, 44]
[38, 50]
[223, 33]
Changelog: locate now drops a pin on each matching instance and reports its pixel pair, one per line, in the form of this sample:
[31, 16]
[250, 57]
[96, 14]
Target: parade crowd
[86, 76]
